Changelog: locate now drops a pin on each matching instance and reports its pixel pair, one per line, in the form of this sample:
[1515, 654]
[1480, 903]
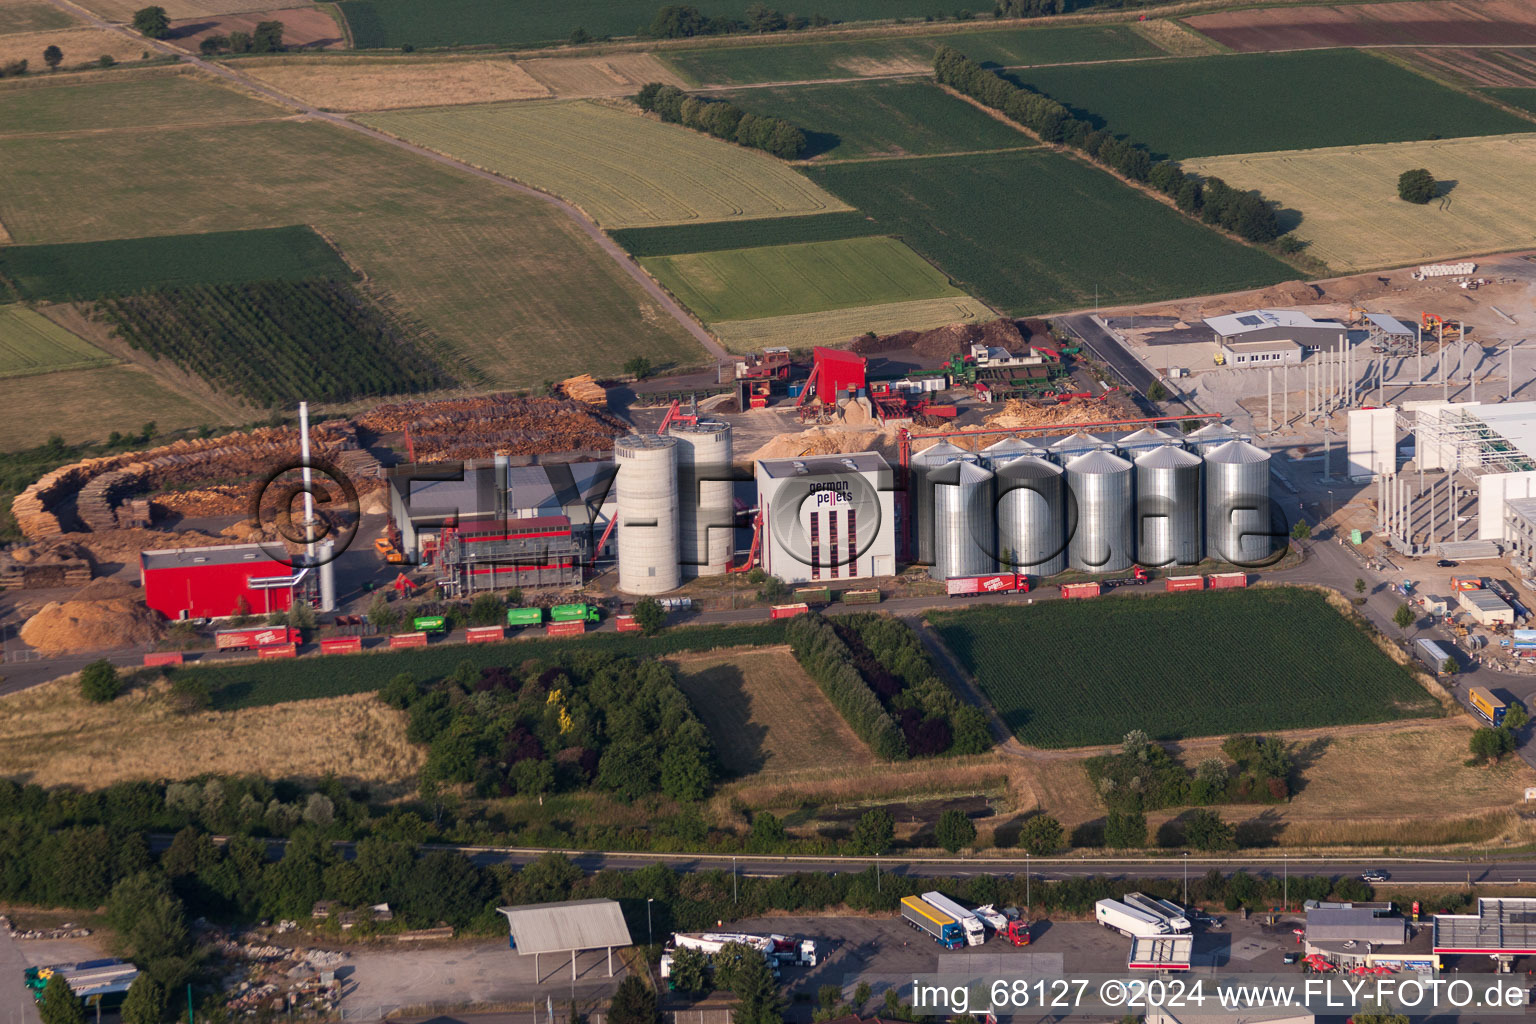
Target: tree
[678, 21]
[60, 1005]
[145, 1003]
[268, 37]
[767, 833]
[99, 683]
[1403, 617]
[1448, 667]
[649, 615]
[1490, 744]
[240, 42]
[1515, 716]
[1301, 530]
[209, 46]
[1157, 392]
[579, 36]
[301, 616]
[633, 1003]
[148, 919]
[1042, 835]
[690, 971]
[383, 614]
[685, 773]
[743, 971]
[53, 57]
[1417, 186]
[1359, 585]
[1206, 831]
[487, 610]
[873, 834]
[152, 22]
[1125, 830]
[954, 830]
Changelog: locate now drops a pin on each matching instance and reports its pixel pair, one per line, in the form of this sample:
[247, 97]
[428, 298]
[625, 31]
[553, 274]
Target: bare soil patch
[1513, 68]
[304, 28]
[1422, 22]
[353, 86]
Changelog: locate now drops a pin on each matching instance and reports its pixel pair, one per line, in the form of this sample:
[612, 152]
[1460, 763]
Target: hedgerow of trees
[683, 21]
[829, 661]
[1246, 214]
[275, 342]
[723, 120]
[1143, 777]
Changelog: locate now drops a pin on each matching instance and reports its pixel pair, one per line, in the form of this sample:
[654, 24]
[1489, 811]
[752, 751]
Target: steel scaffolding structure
[1467, 444]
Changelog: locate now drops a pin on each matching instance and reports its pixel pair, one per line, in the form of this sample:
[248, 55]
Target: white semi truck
[1170, 912]
[777, 950]
[1128, 920]
[975, 931]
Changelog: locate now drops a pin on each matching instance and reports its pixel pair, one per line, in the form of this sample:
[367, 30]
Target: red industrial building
[836, 374]
[195, 583]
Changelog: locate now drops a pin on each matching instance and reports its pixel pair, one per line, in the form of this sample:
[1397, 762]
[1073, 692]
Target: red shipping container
[485, 634]
[241, 639]
[1185, 583]
[627, 624]
[571, 628]
[278, 651]
[408, 640]
[1221, 580]
[787, 611]
[163, 658]
[997, 583]
[1070, 590]
[341, 645]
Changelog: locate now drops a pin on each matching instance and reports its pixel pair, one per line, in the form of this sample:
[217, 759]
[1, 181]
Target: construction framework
[1469, 444]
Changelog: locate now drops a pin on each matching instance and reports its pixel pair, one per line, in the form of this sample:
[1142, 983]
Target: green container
[861, 597]
[574, 613]
[430, 623]
[814, 595]
[1355, 538]
[525, 616]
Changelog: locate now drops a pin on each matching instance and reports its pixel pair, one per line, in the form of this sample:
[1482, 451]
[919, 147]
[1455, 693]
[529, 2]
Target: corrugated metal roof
[1169, 456]
[1390, 324]
[220, 554]
[1262, 320]
[1354, 923]
[562, 927]
[1484, 600]
[1235, 452]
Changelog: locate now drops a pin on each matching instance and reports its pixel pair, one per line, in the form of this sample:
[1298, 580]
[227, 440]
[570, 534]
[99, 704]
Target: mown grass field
[1353, 220]
[74, 271]
[362, 84]
[765, 714]
[30, 343]
[777, 280]
[141, 99]
[80, 46]
[1066, 233]
[840, 326]
[906, 54]
[744, 234]
[622, 169]
[395, 23]
[881, 119]
[1251, 103]
[1075, 673]
[87, 405]
[32, 17]
[512, 284]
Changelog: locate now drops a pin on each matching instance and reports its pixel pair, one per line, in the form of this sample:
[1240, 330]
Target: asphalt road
[1109, 351]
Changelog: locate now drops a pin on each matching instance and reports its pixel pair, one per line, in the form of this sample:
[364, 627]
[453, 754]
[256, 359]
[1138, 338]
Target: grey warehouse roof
[1484, 600]
[1390, 324]
[563, 927]
[1358, 923]
[1262, 320]
[1499, 926]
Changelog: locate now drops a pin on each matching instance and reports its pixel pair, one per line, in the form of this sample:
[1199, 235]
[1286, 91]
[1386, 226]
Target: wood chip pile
[102, 616]
[949, 340]
[518, 426]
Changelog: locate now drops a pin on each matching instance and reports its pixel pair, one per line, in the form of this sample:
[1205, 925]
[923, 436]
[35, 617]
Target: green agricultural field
[881, 119]
[395, 23]
[1258, 102]
[136, 100]
[622, 169]
[1074, 673]
[514, 285]
[88, 270]
[30, 344]
[1037, 231]
[906, 54]
[744, 234]
[777, 280]
[1525, 99]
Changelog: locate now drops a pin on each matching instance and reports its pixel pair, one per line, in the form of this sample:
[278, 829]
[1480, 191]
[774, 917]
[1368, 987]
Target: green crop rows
[801, 62]
[887, 118]
[1263, 102]
[1073, 673]
[89, 270]
[1036, 232]
[678, 239]
[1525, 99]
[258, 683]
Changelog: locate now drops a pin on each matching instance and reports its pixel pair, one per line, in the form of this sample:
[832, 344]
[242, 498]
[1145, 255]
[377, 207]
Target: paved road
[603, 242]
[1109, 351]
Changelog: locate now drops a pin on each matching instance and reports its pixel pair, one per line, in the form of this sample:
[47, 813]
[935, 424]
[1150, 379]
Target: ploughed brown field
[304, 28]
[1479, 66]
[1414, 22]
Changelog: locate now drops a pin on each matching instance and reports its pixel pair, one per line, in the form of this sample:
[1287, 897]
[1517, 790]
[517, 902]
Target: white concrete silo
[706, 511]
[646, 485]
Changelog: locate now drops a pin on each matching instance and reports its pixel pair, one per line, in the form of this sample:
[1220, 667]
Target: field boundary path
[588, 227]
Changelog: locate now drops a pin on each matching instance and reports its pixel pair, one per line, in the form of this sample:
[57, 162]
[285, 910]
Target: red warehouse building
[194, 583]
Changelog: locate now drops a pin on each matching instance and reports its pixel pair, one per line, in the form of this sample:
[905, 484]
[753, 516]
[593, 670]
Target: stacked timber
[584, 389]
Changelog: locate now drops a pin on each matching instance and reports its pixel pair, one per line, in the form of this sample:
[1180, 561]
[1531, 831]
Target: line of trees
[723, 120]
[266, 38]
[1143, 777]
[684, 21]
[1246, 214]
[828, 660]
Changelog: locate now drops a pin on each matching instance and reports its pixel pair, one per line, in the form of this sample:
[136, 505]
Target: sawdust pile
[1022, 414]
[825, 441]
[477, 428]
[102, 616]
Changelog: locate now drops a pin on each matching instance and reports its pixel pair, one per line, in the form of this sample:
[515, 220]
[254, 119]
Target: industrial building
[1274, 337]
[572, 927]
[216, 581]
[826, 518]
[1502, 929]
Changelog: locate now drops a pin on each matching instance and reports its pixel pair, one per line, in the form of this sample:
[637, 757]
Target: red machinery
[676, 415]
[757, 542]
[1137, 578]
[834, 373]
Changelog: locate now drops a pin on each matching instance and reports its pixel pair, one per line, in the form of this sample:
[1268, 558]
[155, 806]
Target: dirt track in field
[1413, 22]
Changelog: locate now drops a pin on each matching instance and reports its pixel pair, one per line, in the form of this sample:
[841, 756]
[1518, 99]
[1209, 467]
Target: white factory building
[827, 517]
[1274, 337]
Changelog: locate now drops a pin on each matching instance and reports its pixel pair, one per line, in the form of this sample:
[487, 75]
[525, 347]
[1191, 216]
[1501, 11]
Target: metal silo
[1168, 522]
[1032, 516]
[646, 486]
[1144, 440]
[706, 512]
[1074, 445]
[920, 496]
[1009, 448]
[1105, 534]
[964, 532]
[1210, 436]
[1237, 507]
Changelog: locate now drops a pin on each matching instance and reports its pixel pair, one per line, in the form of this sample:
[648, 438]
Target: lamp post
[1186, 878]
[1026, 880]
[877, 872]
[650, 937]
[733, 879]
[1285, 862]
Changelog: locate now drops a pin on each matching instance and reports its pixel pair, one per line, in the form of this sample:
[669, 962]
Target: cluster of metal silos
[1090, 504]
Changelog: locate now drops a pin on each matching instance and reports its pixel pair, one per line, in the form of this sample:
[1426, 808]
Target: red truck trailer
[570, 627]
[991, 583]
[261, 636]
[163, 658]
[278, 651]
[1071, 590]
[787, 611]
[408, 640]
[1176, 583]
[341, 645]
[485, 634]
[1223, 580]
[627, 624]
